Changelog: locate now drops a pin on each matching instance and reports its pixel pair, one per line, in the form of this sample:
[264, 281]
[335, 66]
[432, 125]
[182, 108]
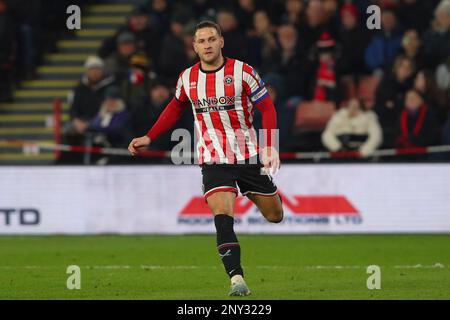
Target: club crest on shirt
[228, 80]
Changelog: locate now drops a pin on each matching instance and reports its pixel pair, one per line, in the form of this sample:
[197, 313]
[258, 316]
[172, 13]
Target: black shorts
[228, 177]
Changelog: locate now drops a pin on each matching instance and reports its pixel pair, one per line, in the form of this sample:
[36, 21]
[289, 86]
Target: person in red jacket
[417, 123]
[223, 94]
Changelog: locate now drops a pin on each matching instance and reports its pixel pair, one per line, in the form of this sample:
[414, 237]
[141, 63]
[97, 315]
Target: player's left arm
[260, 98]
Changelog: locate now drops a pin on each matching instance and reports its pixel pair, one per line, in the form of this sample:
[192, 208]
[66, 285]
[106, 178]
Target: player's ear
[222, 42]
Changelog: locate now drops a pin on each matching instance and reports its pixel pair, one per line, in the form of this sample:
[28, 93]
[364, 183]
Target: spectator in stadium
[7, 53]
[331, 13]
[147, 38]
[201, 8]
[286, 61]
[322, 82]
[119, 62]
[293, 12]
[353, 128]
[313, 25]
[285, 111]
[87, 97]
[436, 97]
[443, 75]
[176, 50]
[134, 87]
[353, 41]
[415, 14]
[389, 96]
[110, 124]
[245, 11]
[383, 47]
[28, 17]
[160, 12]
[437, 39]
[237, 41]
[147, 112]
[412, 48]
[442, 80]
[144, 113]
[262, 39]
[417, 125]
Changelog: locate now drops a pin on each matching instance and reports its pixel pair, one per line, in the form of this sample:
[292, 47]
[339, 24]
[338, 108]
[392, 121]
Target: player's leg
[220, 191]
[259, 187]
[222, 205]
[270, 206]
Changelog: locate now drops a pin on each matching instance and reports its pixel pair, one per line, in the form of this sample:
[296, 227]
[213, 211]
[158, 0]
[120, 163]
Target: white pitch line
[160, 267]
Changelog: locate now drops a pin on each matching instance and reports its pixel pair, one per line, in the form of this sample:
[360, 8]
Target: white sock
[237, 279]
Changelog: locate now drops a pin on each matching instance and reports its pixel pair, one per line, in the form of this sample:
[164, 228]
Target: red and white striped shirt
[223, 103]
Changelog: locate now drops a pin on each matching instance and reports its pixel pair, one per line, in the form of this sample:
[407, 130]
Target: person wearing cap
[135, 85]
[86, 98]
[120, 61]
[111, 120]
[322, 77]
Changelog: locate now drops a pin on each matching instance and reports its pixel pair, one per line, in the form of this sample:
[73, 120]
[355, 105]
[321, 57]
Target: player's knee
[275, 216]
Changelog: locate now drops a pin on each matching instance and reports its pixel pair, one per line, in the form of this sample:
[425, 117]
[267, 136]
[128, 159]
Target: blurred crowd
[337, 85]
[28, 29]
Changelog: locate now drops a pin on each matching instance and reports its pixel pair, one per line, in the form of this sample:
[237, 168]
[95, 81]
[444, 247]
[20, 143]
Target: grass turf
[188, 267]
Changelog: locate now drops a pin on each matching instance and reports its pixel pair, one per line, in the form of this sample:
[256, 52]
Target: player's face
[208, 45]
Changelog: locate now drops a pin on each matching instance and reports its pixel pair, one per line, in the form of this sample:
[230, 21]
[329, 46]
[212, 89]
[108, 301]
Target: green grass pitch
[188, 267]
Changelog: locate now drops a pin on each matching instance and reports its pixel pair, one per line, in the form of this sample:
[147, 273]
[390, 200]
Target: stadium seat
[313, 115]
[366, 90]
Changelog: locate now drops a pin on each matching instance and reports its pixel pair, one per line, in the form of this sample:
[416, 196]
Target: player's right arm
[168, 118]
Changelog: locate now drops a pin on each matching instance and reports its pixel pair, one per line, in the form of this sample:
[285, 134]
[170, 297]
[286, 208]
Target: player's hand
[138, 144]
[270, 159]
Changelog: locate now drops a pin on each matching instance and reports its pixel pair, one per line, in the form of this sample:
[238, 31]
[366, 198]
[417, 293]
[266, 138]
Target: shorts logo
[228, 80]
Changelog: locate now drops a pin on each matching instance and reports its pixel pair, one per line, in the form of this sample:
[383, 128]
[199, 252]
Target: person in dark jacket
[286, 61]
[313, 24]
[389, 96]
[119, 63]
[262, 40]
[175, 51]
[236, 41]
[383, 47]
[111, 121]
[412, 47]
[417, 123]
[353, 42]
[415, 14]
[88, 95]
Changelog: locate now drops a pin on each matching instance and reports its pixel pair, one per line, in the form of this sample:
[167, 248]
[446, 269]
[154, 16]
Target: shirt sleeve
[254, 86]
[180, 93]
